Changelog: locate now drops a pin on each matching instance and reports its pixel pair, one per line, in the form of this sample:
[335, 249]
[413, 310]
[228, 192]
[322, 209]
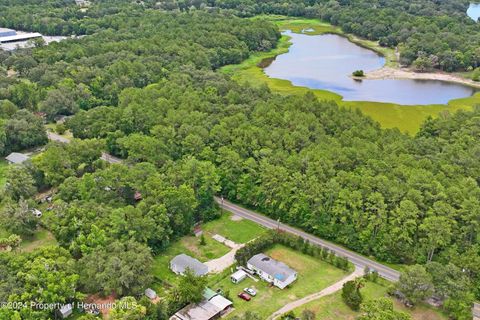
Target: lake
[327, 61]
[474, 11]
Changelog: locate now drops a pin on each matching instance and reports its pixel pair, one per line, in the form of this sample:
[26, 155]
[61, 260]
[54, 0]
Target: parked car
[244, 296]
[36, 213]
[250, 291]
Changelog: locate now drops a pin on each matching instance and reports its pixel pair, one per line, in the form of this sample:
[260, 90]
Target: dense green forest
[433, 34]
[142, 85]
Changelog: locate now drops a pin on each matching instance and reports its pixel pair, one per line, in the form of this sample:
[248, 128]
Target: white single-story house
[213, 306]
[271, 270]
[182, 262]
[150, 293]
[65, 311]
[16, 158]
[238, 276]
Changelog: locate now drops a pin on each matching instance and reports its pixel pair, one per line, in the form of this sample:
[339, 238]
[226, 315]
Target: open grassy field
[313, 276]
[332, 307]
[41, 238]
[239, 231]
[389, 115]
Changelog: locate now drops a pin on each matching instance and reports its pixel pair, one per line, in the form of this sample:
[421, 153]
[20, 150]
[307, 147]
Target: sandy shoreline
[403, 73]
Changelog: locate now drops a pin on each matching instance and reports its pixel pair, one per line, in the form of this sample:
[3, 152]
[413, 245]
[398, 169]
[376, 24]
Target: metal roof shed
[16, 158]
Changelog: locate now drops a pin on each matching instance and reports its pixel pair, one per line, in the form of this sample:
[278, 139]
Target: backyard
[313, 276]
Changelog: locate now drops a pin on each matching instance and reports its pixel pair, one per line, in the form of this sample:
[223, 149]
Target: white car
[250, 291]
[36, 213]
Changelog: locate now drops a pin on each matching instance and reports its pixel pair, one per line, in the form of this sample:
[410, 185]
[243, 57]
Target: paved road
[317, 295]
[356, 259]
[105, 156]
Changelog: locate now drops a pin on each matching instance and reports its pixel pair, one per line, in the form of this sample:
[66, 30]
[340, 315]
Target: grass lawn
[332, 307]
[53, 126]
[389, 115]
[239, 231]
[41, 238]
[191, 246]
[313, 276]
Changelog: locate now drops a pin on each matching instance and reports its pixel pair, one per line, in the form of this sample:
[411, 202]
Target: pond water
[327, 61]
[474, 11]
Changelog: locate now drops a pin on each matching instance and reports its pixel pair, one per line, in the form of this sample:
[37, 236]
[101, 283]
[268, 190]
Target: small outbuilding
[16, 158]
[238, 276]
[150, 293]
[65, 311]
[182, 262]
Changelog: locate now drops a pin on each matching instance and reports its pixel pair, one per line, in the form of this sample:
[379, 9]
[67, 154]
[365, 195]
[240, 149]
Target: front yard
[234, 228]
[239, 231]
[313, 276]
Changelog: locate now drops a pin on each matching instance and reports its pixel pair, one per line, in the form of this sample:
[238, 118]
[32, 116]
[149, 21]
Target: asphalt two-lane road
[358, 260]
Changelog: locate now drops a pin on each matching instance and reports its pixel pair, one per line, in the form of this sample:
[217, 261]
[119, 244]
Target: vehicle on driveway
[250, 291]
[244, 296]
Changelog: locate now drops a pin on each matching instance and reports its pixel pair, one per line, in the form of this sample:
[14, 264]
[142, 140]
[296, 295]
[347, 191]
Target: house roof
[220, 302]
[7, 32]
[65, 309]
[182, 262]
[274, 268]
[20, 37]
[16, 157]
[209, 293]
[150, 293]
[205, 310]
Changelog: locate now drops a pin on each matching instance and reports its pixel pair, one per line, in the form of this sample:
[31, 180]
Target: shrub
[358, 73]
[476, 75]
[60, 128]
[351, 294]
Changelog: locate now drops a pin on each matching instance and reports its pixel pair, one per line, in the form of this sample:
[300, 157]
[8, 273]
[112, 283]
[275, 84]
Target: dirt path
[403, 73]
[225, 261]
[325, 292]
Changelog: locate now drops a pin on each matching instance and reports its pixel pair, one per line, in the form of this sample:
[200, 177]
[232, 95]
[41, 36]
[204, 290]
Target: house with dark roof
[16, 158]
[271, 270]
[182, 262]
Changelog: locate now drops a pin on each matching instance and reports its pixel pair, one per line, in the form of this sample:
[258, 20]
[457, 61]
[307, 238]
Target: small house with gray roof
[182, 262]
[16, 158]
[271, 270]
